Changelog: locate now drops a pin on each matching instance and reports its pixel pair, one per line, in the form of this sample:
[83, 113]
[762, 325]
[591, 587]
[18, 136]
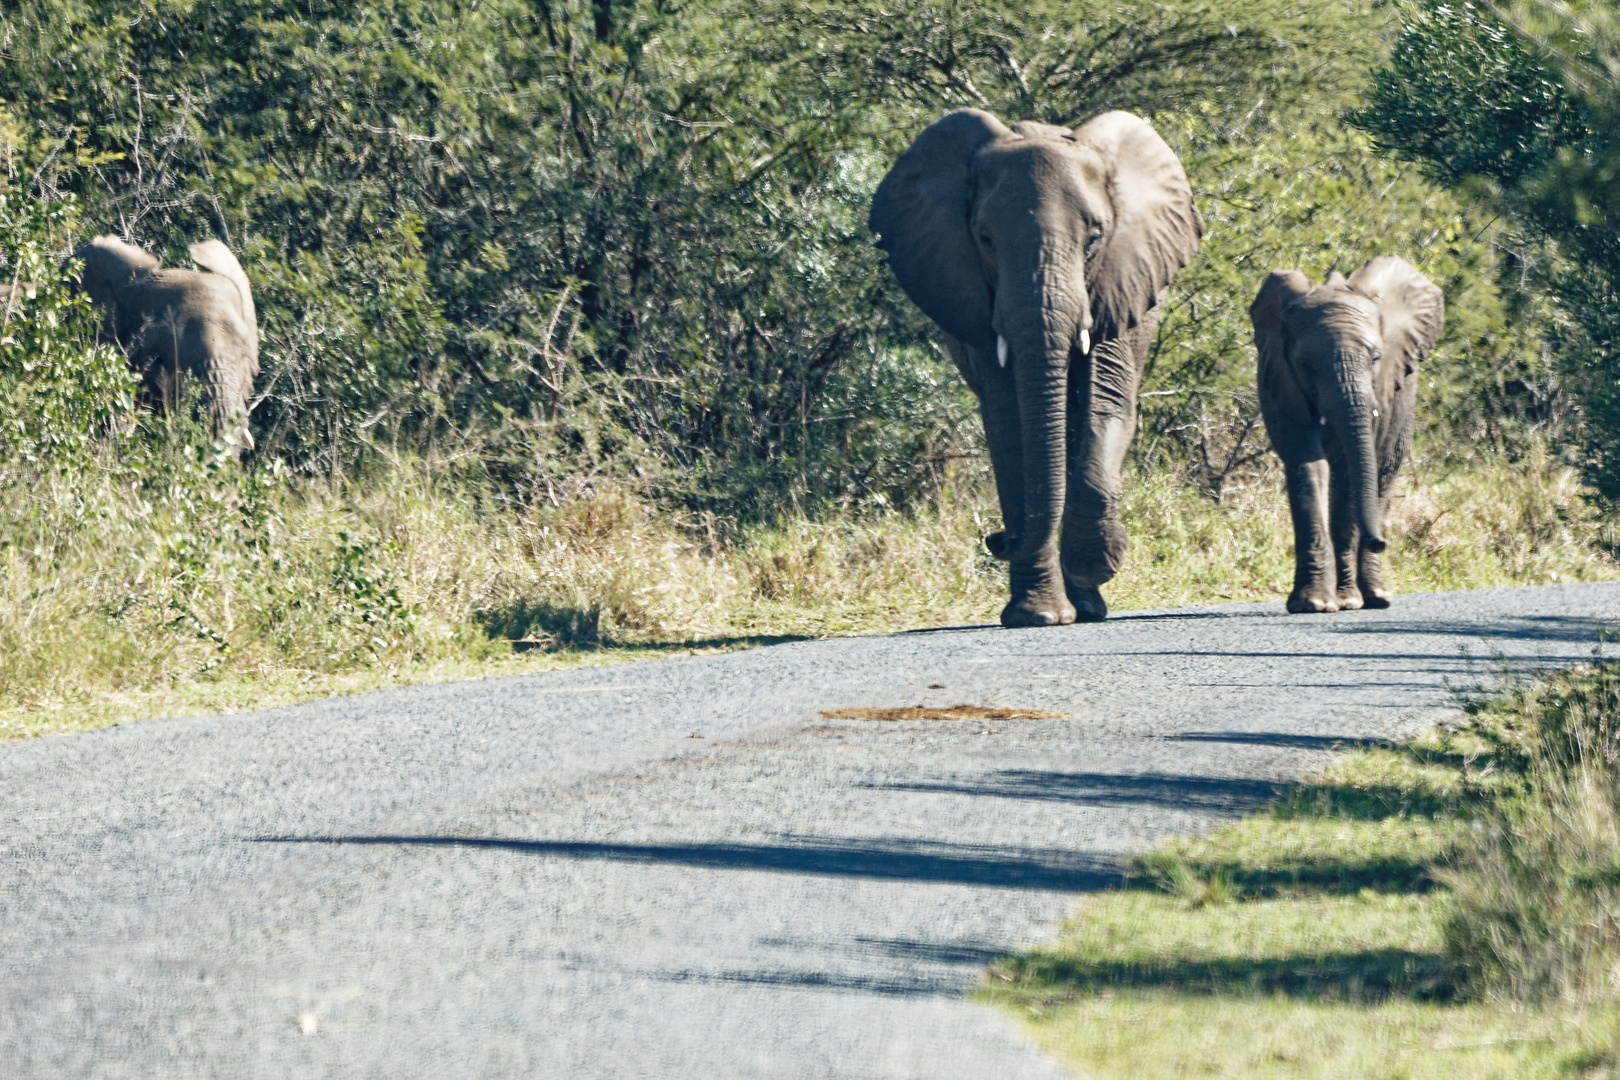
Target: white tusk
[1001, 350]
[1085, 341]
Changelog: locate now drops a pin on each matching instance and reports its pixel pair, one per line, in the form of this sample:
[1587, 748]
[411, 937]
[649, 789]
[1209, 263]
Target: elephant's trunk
[1041, 346]
[1351, 407]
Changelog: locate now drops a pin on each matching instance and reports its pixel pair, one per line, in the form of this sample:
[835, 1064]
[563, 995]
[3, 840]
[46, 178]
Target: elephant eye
[1093, 239]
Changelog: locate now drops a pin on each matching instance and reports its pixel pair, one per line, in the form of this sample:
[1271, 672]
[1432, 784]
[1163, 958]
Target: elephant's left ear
[1156, 226]
[1411, 307]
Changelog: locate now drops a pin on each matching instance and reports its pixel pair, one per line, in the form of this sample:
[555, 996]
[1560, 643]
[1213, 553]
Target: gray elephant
[1338, 391]
[175, 324]
[1042, 253]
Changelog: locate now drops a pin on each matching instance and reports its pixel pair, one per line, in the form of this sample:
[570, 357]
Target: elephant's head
[1348, 344]
[110, 264]
[1035, 240]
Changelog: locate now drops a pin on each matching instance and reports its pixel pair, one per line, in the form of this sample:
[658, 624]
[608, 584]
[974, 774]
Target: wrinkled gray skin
[1338, 390]
[1042, 253]
[175, 324]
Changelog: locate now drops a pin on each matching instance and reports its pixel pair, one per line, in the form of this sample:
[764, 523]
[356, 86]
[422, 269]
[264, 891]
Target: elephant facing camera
[1338, 391]
[1042, 254]
[178, 326]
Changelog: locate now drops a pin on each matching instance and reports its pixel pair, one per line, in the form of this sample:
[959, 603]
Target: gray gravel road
[546, 876]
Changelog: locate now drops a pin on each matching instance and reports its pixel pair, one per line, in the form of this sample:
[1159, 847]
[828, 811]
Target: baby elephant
[175, 323]
[1338, 387]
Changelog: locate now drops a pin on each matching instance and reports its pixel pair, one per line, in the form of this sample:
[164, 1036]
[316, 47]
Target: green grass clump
[1438, 909]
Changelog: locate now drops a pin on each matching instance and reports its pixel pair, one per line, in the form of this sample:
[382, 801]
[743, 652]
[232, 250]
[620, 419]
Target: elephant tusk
[1085, 342]
[1001, 350]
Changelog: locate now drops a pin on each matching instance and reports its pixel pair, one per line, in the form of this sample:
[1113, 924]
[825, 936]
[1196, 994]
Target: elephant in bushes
[1338, 390]
[1042, 253]
[175, 324]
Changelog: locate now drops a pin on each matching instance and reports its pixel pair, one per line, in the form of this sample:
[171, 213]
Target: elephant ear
[215, 256]
[921, 215]
[109, 264]
[1281, 289]
[1411, 307]
[1156, 226]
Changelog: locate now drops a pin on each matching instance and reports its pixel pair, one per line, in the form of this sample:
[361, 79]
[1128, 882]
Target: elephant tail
[215, 256]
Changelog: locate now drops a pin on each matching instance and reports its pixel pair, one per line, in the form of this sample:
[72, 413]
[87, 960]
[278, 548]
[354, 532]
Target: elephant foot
[1037, 596]
[1311, 602]
[1351, 600]
[1037, 611]
[1376, 597]
[1089, 605]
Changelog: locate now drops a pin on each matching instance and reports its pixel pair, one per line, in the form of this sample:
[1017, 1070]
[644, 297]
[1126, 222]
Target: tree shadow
[548, 627]
[1217, 794]
[1365, 976]
[1385, 874]
[896, 860]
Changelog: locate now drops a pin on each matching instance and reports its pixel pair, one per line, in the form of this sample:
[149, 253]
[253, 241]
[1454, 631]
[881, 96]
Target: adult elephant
[1042, 254]
[1338, 393]
[175, 324]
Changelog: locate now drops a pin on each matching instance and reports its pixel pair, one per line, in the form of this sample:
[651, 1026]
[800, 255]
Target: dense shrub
[585, 242]
[1518, 107]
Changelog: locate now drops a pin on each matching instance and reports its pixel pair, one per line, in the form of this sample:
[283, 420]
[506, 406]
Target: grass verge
[1439, 909]
[164, 583]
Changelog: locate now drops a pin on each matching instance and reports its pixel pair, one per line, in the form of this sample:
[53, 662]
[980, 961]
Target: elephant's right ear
[215, 256]
[1281, 288]
[108, 264]
[921, 212]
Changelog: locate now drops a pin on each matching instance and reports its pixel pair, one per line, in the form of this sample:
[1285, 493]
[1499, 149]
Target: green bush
[61, 391]
[1535, 905]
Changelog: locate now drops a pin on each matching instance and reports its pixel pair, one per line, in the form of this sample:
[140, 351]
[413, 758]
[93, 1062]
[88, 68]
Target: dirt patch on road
[954, 712]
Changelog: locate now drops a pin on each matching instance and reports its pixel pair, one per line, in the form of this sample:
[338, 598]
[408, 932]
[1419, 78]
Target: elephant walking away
[1042, 253]
[1338, 390]
[175, 324]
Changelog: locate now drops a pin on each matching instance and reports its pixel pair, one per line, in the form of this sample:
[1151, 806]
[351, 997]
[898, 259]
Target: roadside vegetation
[1447, 907]
[161, 580]
[576, 347]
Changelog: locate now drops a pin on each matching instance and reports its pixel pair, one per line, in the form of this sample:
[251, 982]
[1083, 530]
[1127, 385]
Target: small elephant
[1042, 253]
[175, 323]
[1338, 390]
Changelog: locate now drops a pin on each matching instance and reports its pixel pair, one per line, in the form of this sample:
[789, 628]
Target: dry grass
[174, 585]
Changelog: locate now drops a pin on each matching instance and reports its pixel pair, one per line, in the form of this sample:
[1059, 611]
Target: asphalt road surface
[548, 876]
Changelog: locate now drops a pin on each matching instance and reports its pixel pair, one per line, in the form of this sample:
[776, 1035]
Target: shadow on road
[1016, 868]
[1288, 742]
[1572, 628]
[1201, 793]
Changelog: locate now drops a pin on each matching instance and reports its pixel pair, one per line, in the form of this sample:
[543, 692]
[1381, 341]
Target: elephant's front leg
[1035, 577]
[1370, 568]
[1102, 421]
[1346, 539]
[1297, 439]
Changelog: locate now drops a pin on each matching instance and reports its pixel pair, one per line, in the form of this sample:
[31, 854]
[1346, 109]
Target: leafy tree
[60, 390]
[569, 239]
[1519, 106]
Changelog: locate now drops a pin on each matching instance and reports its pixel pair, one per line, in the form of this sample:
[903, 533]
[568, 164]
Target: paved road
[545, 876]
